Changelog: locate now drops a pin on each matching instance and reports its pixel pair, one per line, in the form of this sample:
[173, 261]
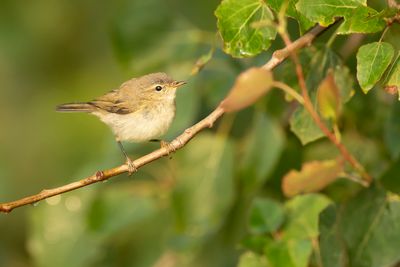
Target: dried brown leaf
[249, 86]
[312, 177]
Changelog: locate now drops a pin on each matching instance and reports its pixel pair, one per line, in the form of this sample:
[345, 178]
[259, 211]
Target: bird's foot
[168, 146]
[131, 166]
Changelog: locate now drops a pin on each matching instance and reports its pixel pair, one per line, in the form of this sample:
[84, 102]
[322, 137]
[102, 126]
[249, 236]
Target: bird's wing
[114, 102]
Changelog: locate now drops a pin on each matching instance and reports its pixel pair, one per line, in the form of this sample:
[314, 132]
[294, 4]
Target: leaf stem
[354, 178]
[289, 90]
[383, 34]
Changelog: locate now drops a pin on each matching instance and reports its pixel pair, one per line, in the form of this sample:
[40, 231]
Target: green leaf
[393, 81]
[364, 232]
[237, 23]
[291, 11]
[358, 18]
[345, 82]
[372, 61]
[362, 20]
[332, 249]
[302, 216]
[325, 11]
[265, 216]
[304, 127]
[262, 149]
[289, 253]
[301, 122]
[250, 259]
[293, 248]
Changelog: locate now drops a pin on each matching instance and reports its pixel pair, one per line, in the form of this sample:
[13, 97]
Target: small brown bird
[141, 109]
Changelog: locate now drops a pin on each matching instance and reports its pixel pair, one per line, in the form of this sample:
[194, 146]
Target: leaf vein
[244, 23]
[368, 233]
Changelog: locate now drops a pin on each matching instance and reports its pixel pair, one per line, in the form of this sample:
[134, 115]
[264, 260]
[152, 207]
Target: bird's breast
[143, 125]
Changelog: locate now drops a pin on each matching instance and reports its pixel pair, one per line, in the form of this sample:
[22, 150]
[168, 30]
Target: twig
[317, 119]
[280, 55]
[177, 143]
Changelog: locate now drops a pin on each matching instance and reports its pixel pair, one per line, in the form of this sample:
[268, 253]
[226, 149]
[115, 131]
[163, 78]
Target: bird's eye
[158, 88]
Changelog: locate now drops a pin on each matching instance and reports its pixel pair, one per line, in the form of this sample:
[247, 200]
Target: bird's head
[155, 86]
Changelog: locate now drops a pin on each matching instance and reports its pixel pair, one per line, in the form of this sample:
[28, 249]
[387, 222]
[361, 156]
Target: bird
[141, 109]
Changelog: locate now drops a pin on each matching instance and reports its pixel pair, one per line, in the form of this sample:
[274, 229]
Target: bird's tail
[75, 107]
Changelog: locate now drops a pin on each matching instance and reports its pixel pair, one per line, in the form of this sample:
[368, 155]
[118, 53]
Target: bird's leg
[131, 167]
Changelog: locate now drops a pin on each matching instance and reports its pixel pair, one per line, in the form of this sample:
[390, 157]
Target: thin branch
[280, 55]
[177, 143]
[99, 176]
[314, 114]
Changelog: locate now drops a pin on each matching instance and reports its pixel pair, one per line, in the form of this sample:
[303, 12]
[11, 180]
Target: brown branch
[280, 55]
[317, 119]
[99, 176]
[177, 143]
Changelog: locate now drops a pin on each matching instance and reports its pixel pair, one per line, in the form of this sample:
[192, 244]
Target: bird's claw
[131, 166]
[168, 146]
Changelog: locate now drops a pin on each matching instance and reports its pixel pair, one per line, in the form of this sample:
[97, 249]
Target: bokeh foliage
[218, 201]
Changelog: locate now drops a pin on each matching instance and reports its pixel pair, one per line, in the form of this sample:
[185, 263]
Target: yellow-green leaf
[328, 98]
[249, 86]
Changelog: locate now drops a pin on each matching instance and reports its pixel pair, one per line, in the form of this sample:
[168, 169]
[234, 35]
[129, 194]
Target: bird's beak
[177, 84]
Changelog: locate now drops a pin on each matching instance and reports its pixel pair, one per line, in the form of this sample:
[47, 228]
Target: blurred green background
[187, 210]
[59, 51]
